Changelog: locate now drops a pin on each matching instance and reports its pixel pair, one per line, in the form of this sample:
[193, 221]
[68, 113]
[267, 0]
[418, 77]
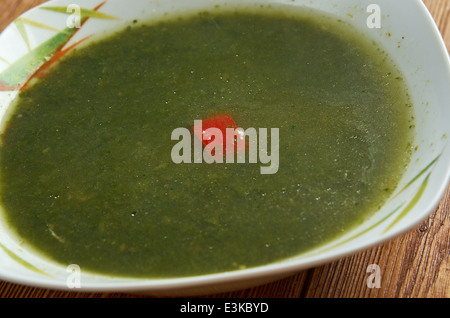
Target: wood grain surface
[414, 265]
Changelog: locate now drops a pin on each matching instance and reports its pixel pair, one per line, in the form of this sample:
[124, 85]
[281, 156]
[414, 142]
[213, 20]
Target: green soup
[86, 171]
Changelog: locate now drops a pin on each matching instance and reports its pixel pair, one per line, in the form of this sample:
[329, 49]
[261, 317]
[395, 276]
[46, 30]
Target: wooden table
[416, 264]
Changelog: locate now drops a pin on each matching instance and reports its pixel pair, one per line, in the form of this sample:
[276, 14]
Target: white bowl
[410, 36]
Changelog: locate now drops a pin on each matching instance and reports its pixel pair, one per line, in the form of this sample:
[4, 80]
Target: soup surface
[87, 176]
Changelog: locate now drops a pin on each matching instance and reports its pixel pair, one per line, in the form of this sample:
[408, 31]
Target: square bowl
[406, 31]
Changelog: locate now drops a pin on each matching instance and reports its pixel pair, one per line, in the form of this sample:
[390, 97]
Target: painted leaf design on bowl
[38, 60]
